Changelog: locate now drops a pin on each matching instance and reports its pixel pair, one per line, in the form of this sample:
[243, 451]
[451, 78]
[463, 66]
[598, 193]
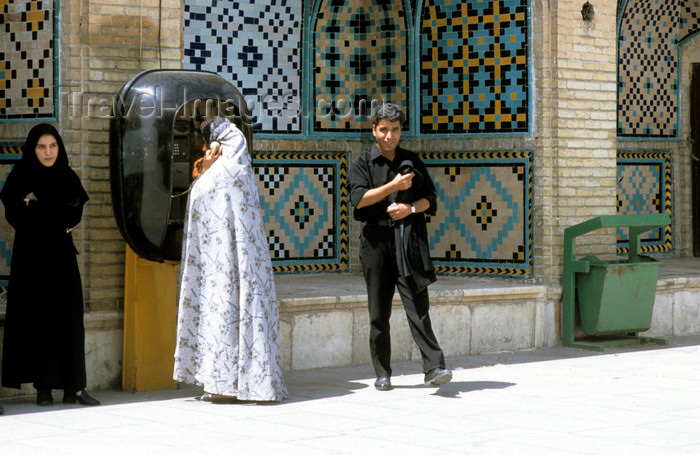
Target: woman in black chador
[44, 335]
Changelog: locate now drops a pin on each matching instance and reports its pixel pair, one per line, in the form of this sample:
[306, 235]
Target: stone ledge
[92, 320]
[470, 316]
[328, 303]
[680, 283]
[302, 293]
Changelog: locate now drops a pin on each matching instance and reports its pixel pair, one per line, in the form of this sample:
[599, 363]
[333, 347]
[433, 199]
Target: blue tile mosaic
[689, 18]
[360, 56]
[257, 46]
[484, 219]
[304, 201]
[474, 67]
[648, 69]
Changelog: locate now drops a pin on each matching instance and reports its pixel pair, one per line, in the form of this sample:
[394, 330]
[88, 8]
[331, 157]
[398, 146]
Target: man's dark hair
[388, 111]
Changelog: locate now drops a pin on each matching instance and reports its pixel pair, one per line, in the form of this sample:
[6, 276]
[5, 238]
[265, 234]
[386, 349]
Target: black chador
[44, 339]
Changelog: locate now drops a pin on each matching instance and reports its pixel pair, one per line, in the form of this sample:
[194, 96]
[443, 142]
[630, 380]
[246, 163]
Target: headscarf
[57, 182]
[29, 148]
[212, 128]
[234, 157]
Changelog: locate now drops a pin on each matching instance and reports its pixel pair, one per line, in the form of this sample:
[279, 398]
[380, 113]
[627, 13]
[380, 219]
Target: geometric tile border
[10, 153]
[689, 23]
[256, 46]
[644, 187]
[360, 52]
[462, 69]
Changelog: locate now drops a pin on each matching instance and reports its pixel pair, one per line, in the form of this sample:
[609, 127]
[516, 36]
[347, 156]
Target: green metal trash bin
[614, 298]
[617, 297]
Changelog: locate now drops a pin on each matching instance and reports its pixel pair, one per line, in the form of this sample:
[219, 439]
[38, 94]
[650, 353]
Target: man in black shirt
[390, 190]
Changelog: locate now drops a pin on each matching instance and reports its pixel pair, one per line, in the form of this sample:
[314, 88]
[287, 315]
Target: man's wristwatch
[413, 208]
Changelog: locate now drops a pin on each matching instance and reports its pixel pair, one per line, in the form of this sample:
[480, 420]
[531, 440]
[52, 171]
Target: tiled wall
[484, 220]
[27, 48]
[473, 75]
[472, 63]
[649, 35]
[474, 67]
[360, 55]
[469, 75]
[689, 23]
[644, 186]
[483, 225]
[648, 57]
[257, 45]
[304, 200]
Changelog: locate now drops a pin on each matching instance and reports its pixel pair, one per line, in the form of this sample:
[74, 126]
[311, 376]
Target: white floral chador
[228, 322]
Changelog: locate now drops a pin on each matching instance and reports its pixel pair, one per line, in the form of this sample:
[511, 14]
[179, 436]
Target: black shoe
[438, 376]
[83, 398]
[2, 411]
[44, 397]
[382, 383]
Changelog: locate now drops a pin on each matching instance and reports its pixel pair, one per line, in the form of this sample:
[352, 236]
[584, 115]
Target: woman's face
[47, 150]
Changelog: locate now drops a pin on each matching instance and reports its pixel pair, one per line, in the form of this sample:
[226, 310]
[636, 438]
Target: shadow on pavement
[455, 388]
[315, 384]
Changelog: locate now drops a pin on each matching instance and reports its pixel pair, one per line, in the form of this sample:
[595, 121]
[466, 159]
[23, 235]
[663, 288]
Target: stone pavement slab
[632, 400]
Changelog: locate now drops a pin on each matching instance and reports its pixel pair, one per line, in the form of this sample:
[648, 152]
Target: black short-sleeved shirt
[372, 170]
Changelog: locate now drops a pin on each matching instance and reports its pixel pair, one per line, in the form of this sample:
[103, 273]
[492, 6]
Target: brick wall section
[575, 130]
[104, 43]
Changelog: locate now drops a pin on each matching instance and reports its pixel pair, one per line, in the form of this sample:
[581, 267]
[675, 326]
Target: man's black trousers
[378, 257]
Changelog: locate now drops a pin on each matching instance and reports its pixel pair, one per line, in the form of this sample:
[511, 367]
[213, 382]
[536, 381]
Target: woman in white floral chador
[228, 320]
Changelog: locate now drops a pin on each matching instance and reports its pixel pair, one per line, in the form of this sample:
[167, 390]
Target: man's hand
[398, 211]
[403, 181]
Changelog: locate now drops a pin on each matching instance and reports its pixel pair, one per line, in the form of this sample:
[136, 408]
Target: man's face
[387, 134]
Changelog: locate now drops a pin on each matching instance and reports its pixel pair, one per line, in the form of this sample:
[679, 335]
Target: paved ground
[634, 400]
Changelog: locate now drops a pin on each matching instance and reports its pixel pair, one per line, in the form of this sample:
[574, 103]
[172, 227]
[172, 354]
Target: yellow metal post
[150, 323]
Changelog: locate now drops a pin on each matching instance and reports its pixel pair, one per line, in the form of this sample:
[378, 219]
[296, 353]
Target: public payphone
[154, 141]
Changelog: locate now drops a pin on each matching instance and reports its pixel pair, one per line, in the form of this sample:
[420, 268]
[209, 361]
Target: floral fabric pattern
[228, 320]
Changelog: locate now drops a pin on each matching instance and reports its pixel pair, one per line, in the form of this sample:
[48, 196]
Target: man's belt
[380, 223]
